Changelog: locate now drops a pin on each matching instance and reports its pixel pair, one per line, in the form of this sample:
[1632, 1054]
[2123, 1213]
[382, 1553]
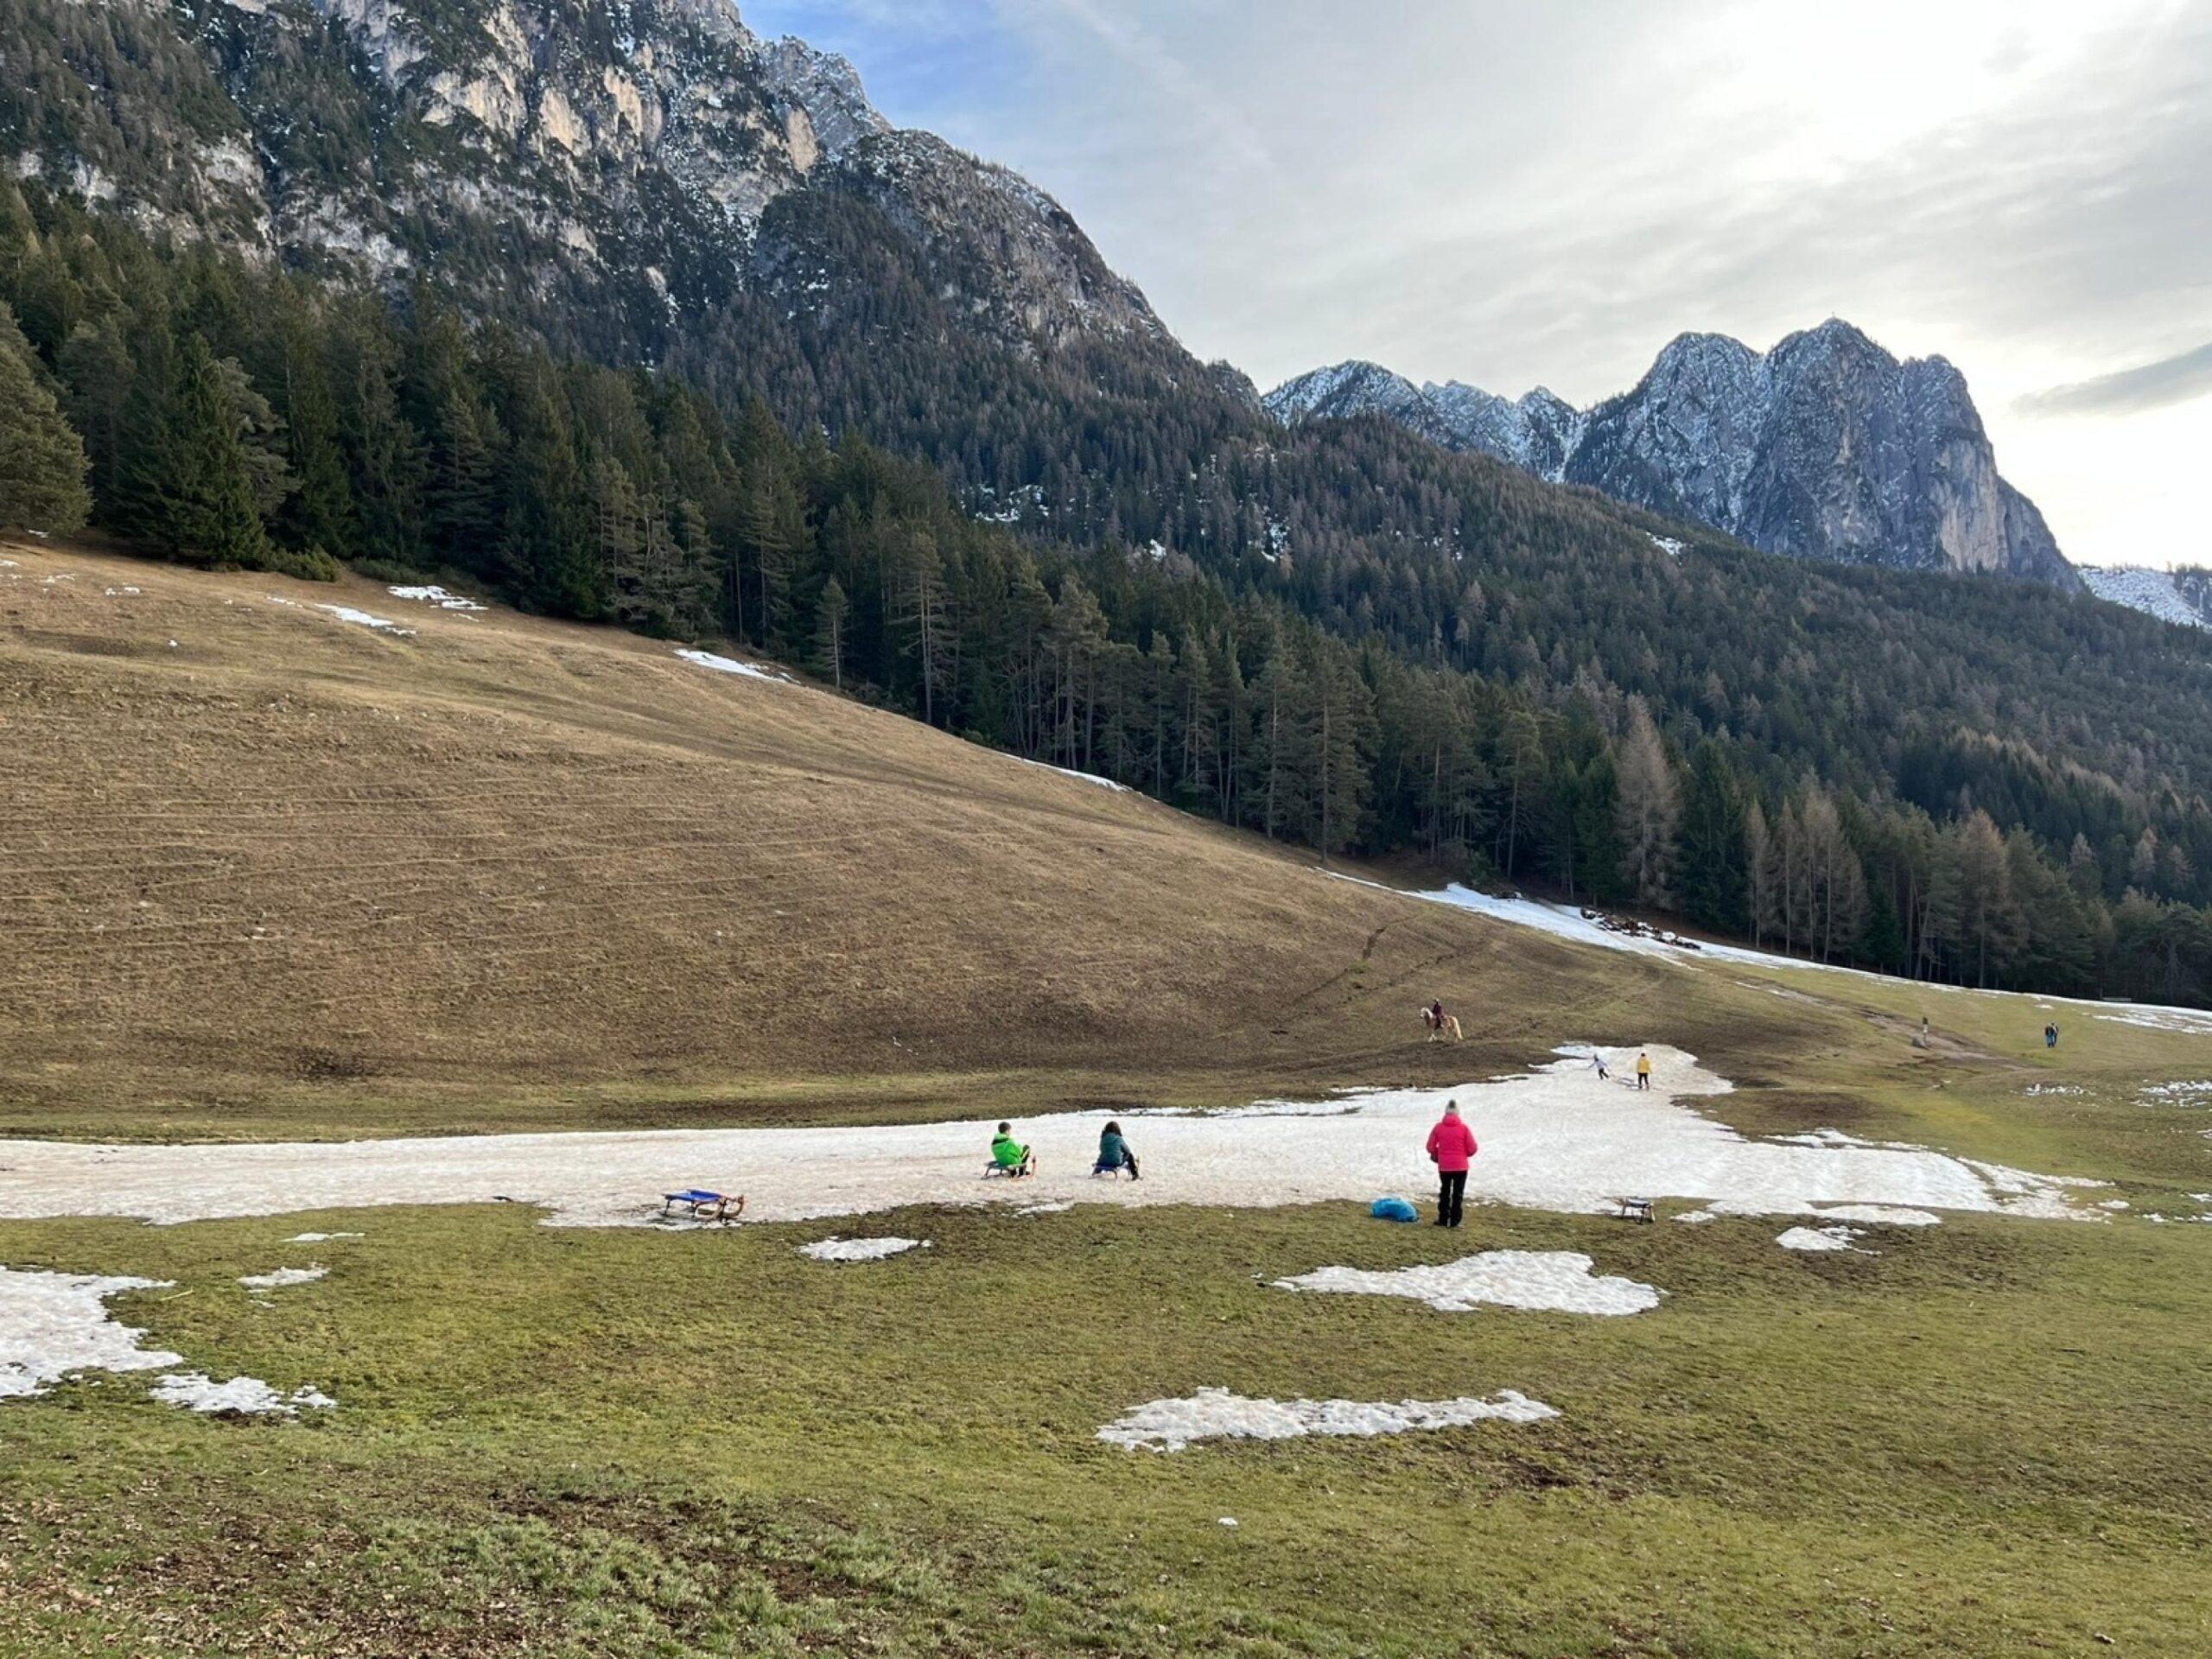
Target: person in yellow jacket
[1642, 1071]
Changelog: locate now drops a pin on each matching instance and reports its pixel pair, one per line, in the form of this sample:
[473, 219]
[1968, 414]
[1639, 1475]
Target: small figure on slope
[1642, 1071]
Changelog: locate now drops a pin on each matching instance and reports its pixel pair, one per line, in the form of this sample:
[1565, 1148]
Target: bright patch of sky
[1520, 193]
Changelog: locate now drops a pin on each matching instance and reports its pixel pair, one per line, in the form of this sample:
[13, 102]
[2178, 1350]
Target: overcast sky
[1521, 192]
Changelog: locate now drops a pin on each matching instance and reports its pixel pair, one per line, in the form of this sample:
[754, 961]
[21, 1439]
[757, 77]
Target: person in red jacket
[1451, 1149]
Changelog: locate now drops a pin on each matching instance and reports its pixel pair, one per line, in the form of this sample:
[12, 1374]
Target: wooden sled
[702, 1205]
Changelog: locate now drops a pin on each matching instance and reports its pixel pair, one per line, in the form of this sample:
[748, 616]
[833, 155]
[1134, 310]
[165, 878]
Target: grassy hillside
[269, 863]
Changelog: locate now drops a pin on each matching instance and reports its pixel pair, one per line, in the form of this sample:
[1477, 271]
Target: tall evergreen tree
[198, 473]
[42, 464]
[321, 511]
[829, 632]
[1713, 880]
[1649, 806]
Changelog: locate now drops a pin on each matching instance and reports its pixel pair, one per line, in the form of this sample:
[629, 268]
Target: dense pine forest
[1340, 637]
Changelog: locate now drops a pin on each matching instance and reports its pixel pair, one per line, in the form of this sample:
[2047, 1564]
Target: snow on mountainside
[1827, 447]
[2179, 596]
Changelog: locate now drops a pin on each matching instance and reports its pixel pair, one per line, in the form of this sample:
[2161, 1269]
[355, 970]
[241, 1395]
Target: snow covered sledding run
[1559, 1138]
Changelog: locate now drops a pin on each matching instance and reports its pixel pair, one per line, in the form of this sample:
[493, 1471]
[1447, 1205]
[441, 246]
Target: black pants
[1451, 1195]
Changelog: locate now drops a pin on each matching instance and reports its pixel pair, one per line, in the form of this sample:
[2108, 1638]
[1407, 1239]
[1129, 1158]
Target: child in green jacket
[1008, 1154]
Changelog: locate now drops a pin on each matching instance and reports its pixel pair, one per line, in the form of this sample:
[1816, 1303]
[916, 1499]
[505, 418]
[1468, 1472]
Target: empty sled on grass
[702, 1205]
[1635, 1209]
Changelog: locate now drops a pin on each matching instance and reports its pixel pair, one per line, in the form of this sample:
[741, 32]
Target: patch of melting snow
[283, 1276]
[708, 660]
[1820, 1238]
[2195, 1093]
[1670, 545]
[1216, 1414]
[2195, 1022]
[320, 1238]
[1342, 1108]
[1558, 1139]
[433, 594]
[1060, 1208]
[1697, 1217]
[54, 1325]
[1557, 1280]
[345, 613]
[861, 1249]
[1839, 1138]
[1080, 777]
[1588, 927]
[1880, 1215]
[247, 1395]
[2035, 1088]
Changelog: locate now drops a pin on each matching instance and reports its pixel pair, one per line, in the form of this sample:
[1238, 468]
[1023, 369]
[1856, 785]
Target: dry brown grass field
[267, 866]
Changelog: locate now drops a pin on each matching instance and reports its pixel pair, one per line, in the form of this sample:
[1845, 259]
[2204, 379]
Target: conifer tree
[42, 464]
[199, 474]
[99, 378]
[1712, 882]
[829, 613]
[321, 511]
[1650, 805]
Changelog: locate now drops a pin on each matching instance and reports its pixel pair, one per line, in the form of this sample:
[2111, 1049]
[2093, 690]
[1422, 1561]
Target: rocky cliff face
[1827, 447]
[628, 152]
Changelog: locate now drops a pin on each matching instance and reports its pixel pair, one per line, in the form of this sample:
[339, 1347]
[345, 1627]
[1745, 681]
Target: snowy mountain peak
[1827, 447]
[1357, 387]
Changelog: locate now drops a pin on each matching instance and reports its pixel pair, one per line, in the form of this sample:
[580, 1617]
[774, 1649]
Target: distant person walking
[1451, 1149]
[2050, 1035]
[1114, 1154]
[1642, 1071]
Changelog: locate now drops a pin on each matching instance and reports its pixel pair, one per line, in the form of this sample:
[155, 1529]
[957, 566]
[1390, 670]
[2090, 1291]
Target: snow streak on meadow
[1561, 1138]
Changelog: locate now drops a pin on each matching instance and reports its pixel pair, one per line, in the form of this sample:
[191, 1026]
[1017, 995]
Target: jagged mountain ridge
[553, 155]
[1827, 447]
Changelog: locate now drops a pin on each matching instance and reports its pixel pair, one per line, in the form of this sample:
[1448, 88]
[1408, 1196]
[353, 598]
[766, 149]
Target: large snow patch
[861, 1250]
[1558, 1139]
[1560, 1281]
[55, 1324]
[1216, 1414]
